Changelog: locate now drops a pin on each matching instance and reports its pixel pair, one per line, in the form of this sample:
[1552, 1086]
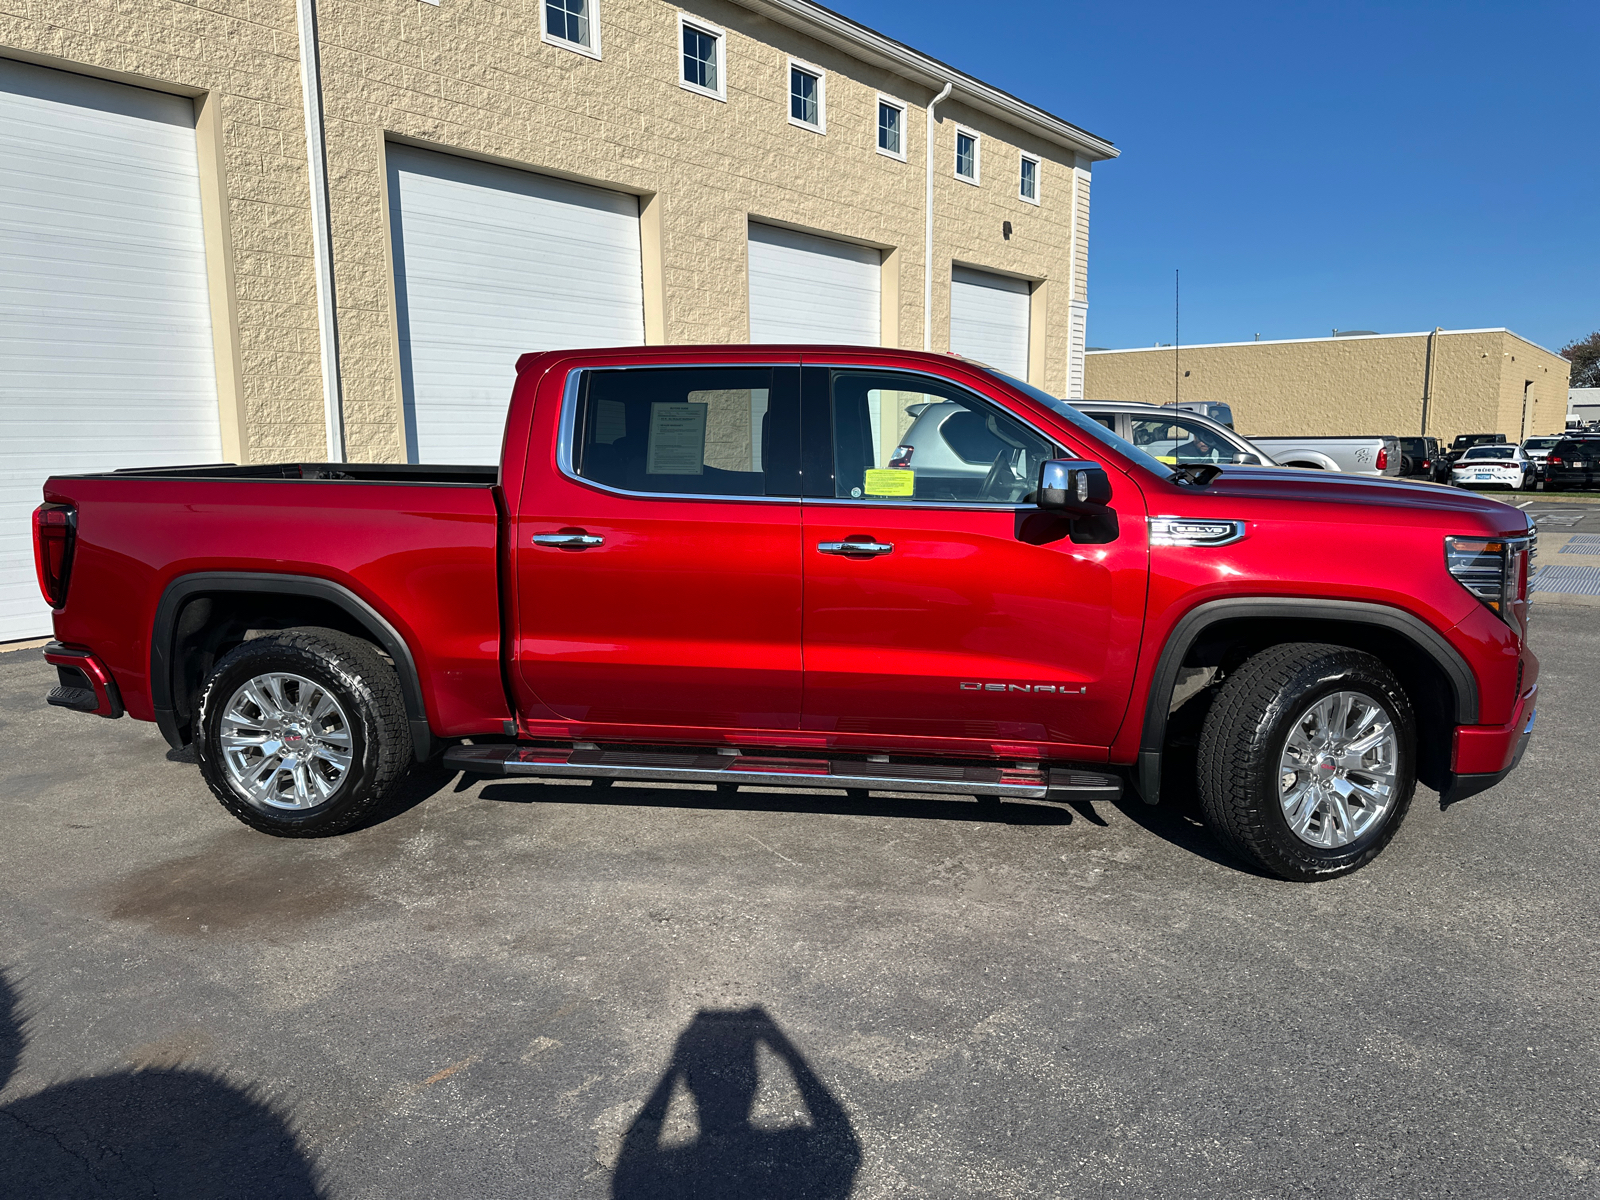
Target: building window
[891, 128]
[1028, 180]
[573, 24]
[807, 107]
[702, 58]
[966, 155]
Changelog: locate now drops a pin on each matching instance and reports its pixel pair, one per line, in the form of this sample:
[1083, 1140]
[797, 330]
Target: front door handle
[856, 548]
[568, 540]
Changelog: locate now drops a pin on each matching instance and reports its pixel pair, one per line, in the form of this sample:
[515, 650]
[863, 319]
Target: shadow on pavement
[964, 809]
[733, 1153]
[164, 1132]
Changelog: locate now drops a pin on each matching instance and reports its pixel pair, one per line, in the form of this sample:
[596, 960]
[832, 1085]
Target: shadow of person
[732, 1156]
[167, 1132]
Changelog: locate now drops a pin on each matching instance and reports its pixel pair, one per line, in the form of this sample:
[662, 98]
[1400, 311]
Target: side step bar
[1022, 783]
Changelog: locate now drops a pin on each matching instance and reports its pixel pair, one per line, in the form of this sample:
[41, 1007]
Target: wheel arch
[1442, 689]
[202, 615]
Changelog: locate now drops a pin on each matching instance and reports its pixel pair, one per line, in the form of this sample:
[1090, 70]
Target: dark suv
[1423, 458]
[1572, 462]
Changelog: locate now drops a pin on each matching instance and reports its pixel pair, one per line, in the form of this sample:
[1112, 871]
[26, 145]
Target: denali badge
[1059, 689]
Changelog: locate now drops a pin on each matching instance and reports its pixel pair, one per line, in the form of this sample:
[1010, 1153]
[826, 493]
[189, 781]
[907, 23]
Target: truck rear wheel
[302, 733]
[1307, 760]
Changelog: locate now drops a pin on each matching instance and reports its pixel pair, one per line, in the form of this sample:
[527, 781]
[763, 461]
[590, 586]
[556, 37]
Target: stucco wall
[476, 79]
[1354, 385]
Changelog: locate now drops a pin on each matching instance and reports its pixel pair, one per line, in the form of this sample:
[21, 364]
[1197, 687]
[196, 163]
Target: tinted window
[1416, 447]
[1539, 443]
[898, 437]
[690, 431]
[1483, 452]
[1177, 442]
[1086, 425]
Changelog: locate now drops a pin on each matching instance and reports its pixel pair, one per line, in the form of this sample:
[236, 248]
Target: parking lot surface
[522, 989]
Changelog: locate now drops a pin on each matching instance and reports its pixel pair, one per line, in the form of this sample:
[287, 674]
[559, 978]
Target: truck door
[657, 554]
[940, 604]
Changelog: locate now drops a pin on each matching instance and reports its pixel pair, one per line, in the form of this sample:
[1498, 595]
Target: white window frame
[800, 64]
[550, 39]
[977, 157]
[1038, 177]
[721, 36]
[892, 103]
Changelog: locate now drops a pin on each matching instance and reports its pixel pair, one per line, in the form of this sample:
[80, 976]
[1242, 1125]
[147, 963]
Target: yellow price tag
[896, 482]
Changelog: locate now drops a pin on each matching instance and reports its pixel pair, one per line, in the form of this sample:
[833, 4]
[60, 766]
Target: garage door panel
[989, 318]
[105, 325]
[805, 288]
[492, 263]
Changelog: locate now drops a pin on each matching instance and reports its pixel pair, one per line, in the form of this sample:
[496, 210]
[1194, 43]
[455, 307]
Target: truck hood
[1332, 487]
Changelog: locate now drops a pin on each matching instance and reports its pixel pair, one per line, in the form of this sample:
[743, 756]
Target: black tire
[358, 679]
[1243, 740]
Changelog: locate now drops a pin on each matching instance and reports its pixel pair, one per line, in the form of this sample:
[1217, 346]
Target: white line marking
[764, 846]
[1525, 504]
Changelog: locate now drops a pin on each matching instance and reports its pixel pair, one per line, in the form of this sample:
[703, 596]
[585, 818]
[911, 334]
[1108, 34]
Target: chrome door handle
[568, 541]
[862, 549]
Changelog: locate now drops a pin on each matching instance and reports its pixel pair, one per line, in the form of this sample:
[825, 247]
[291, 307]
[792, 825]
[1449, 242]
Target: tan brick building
[1438, 384]
[228, 237]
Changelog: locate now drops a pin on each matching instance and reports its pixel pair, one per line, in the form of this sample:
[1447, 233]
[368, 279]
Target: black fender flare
[186, 587]
[1351, 612]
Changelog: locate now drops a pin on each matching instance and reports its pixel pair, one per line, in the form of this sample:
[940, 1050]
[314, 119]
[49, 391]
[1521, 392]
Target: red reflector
[1383, 458]
[54, 534]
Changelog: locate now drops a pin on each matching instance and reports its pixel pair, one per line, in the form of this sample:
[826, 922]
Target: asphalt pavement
[541, 990]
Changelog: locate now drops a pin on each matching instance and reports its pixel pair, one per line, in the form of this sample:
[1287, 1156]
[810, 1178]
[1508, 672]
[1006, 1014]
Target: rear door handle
[568, 541]
[856, 548]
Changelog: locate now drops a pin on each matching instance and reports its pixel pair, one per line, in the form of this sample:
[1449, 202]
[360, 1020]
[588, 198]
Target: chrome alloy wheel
[285, 742]
[1339, 769]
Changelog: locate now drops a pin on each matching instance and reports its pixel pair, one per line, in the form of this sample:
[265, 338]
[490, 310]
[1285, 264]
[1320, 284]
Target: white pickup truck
[1375, 455]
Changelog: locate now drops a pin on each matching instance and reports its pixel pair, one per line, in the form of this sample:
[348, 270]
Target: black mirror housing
[1073, 486]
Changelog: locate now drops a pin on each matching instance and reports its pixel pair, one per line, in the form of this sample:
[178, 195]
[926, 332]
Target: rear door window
[712, 431]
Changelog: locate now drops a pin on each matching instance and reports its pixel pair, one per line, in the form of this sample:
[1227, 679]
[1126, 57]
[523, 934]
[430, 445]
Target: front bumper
[1486, 754]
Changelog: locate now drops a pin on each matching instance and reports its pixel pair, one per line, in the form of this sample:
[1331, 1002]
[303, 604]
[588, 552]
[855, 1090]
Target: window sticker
[895, 481]
[677, 439]
[610, 421]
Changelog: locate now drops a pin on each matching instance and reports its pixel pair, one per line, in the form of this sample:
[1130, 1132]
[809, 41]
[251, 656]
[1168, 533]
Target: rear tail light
[55, 533]
[901, 458]
[1495, 570]
[1554, 460]
[1383, 458]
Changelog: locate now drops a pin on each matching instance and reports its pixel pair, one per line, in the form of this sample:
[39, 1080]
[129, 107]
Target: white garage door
[105, 323]
[805, 288]
[989, 319]
[491, 263]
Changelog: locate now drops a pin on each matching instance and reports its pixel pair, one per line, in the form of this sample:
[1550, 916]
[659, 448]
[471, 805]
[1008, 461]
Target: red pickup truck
[740, 566]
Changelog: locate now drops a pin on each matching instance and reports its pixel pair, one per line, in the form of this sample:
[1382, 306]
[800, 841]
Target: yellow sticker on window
[897, 482]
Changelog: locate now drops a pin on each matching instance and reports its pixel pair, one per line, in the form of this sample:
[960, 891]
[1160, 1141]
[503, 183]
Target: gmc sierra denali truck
[723, 565]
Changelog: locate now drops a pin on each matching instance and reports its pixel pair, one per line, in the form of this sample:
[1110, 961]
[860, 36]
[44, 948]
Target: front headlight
[1495, 570]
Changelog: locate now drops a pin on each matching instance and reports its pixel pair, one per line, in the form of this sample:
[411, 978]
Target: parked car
[1174, 435]
[1493, 466]
[700, 564]
[1423, 458]
[1466, 441]
[1353, 455]
[1572, 462]
[1537, 449]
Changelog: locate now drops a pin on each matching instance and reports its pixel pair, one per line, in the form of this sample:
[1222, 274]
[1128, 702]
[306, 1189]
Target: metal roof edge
[854, 38]
[1359, 337]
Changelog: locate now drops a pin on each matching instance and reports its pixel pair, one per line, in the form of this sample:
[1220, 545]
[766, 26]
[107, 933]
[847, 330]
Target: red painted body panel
[422, 556]
[704, 620]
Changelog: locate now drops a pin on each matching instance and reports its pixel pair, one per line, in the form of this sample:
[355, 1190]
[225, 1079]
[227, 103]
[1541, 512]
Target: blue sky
[1312, 167]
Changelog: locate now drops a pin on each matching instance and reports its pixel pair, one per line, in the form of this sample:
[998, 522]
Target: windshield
[1539, 443]
[1483, 452]
[1089, 427]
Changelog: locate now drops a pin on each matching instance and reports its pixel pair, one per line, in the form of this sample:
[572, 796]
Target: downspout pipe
[1427, 379]
[321, 235]
[927, 245]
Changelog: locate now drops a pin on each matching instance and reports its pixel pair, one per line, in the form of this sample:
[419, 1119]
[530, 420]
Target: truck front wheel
[1307, 760]
[302, 733]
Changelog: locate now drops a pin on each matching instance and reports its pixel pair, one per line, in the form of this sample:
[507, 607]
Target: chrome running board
[1022, 783]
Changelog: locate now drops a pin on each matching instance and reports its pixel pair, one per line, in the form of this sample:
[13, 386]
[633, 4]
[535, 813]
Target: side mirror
[1074, 487]
[1243, 458]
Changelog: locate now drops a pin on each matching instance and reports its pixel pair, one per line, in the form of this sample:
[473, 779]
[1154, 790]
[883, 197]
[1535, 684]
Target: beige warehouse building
[296, 230]
[1437, 384]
